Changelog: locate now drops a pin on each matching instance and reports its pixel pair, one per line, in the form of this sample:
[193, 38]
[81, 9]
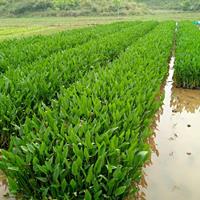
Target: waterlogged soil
[3, 187]
[174, 169]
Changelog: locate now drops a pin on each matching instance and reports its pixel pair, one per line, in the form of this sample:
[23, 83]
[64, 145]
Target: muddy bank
[185, 100]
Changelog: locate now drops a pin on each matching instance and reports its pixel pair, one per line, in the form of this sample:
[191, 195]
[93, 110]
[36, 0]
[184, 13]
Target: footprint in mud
[174, 111]
[175, 135]
[174, 126]
[175, 188]
[171, 139]
[171, 154]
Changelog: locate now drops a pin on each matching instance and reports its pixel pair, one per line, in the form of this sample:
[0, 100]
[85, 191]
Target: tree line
[92, 7]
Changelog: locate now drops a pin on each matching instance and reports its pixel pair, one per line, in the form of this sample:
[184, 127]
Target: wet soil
[3, 187]
[174, 169]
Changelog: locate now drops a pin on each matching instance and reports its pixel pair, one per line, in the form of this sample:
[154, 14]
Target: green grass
[27, 50]
[79, 117]
[187, 66]
[37, 83]
[51, 25]
[90, 143]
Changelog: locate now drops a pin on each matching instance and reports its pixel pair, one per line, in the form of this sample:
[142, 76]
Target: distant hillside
[91, 7]
[71, 7]
[187, 5]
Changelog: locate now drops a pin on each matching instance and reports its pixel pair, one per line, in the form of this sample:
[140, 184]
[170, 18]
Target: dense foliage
[91, 7]
[90, 142]
[187, 67]
[15, 53]
[71, 7]
[25, 88]
[186, 5]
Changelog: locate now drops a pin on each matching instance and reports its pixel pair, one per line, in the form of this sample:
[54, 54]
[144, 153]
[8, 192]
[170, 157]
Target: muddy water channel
[174, 170]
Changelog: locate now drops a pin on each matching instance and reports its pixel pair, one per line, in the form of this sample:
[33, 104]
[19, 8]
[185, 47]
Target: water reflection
[173, 170]
[185, 100]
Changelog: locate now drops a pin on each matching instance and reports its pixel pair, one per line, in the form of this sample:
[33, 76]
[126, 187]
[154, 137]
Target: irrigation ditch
[172, 172]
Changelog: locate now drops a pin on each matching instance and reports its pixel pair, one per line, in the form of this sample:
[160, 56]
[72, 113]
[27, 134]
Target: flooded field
[173, 172]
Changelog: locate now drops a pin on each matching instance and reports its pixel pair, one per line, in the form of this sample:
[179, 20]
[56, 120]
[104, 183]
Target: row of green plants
[24, 89]
[90, 143]
[8, 33]
[5, 31]
[17, 53]
[187, 66]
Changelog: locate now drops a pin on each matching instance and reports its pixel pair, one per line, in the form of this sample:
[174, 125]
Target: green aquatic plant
[24, 89]
[187, 66]
[90, 143]
[21, 52]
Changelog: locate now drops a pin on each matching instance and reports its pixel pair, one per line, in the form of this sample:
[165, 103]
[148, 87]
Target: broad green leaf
[120, 190]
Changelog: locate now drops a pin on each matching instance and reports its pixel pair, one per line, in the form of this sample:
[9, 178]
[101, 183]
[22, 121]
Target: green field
[18, 27]
[187, 72]
[77, 107]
